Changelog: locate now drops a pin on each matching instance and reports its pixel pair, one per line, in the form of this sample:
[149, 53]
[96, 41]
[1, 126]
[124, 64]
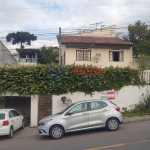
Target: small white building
[6, 59]
[27, 57]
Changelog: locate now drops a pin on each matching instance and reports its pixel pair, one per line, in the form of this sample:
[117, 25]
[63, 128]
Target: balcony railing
[28, 60]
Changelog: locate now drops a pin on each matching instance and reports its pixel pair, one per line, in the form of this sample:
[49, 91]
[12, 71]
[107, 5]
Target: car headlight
[44, 122]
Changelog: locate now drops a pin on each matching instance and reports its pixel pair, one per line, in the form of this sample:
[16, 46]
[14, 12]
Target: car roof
[91, 100]
[5, 110]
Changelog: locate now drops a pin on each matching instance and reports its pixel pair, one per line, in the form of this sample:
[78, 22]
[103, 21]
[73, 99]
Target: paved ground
[136, 119]
[27, 132]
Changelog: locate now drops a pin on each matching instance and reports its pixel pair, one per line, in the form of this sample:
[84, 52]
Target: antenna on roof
[80, 31]
[102, 26]
[97, 24]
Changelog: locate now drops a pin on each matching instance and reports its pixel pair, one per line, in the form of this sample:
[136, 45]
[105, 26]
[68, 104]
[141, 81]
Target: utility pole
[59, 45]
[96, 24]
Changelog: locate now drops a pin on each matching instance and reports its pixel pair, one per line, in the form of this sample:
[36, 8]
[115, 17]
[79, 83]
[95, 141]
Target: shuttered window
[83, 54]
[116, 55]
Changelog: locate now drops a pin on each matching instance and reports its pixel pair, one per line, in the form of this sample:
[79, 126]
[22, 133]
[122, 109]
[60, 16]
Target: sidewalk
[27, 132]
[136, 119]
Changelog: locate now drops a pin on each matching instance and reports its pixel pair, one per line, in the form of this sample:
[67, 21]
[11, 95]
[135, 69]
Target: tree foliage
[143, 63]
[139, 34]
[47, 55]
[21, 37]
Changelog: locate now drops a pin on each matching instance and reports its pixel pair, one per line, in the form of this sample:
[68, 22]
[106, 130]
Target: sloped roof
[27, 50]
[93, 40]
[5, 48]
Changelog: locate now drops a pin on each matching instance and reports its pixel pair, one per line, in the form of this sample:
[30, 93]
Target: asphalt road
[133, 136]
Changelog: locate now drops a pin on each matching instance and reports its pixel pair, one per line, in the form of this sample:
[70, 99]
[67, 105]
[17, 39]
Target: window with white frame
[83, 54]
[116, 55]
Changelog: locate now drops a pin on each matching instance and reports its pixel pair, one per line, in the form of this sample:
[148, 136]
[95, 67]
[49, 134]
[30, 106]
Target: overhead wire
[55, 30]
[45, 34]
[74, 6]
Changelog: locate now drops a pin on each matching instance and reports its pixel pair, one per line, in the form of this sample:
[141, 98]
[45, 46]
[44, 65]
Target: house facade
[6, 59]
[99, 47]
[103, 32]
[14, 55]
[104, 51]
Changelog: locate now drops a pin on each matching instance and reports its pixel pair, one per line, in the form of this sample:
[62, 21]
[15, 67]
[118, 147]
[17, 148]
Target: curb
[135, 119]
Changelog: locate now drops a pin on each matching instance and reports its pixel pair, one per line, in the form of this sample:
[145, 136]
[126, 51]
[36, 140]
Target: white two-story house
[98, 47]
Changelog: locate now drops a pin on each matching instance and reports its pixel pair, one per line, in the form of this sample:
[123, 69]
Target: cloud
[44, 22]
[35, 44]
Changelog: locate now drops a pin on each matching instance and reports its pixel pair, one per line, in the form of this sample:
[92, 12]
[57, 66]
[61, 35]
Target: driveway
[26, 132]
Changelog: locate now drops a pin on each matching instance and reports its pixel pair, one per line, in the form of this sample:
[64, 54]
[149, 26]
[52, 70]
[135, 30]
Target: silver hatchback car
[87, 114]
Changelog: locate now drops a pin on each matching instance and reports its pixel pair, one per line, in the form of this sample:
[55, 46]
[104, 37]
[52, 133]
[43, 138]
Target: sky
[44, 17]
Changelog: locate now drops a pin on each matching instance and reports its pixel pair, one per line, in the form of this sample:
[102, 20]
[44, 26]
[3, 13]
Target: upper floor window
[83, 54]
[97, 105]
[116, 55]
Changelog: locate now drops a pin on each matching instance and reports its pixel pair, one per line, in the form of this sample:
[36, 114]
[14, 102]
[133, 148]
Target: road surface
[133, 136]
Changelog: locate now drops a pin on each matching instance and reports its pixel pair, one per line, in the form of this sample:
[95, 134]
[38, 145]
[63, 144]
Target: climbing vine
[52, 79]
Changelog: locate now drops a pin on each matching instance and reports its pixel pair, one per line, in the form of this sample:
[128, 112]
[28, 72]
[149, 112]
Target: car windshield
[112, 103]
[2, 116]
[65, 109]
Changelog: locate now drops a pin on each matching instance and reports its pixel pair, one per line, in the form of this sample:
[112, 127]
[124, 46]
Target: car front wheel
[112, 124]
[56, 132]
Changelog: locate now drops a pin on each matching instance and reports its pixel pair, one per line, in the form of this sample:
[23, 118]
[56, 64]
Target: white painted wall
[6, 59]
[104, 59]
[105, 32]
[125, 97]
[34, 111]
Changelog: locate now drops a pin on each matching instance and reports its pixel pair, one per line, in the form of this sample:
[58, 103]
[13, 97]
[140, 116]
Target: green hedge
[51, 79]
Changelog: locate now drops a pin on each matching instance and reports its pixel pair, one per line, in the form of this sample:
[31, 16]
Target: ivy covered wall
[51, 79]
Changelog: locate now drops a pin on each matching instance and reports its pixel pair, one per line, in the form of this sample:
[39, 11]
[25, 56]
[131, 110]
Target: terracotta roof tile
[93, 40]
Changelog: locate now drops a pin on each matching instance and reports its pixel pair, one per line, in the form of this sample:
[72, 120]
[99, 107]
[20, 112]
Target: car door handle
[105, 110]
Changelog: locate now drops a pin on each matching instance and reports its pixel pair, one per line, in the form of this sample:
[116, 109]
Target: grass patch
[135, 114]
[141, 109]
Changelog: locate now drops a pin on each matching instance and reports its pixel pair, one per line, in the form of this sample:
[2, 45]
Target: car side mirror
[70, 113]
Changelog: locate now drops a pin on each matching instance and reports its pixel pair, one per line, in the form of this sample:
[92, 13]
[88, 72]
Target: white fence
[146, 76]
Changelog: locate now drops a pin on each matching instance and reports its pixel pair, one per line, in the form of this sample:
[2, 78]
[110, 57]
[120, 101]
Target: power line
[62, 31]
[45, 33]
[69, 28]
[74, 6]
[42, 34]
[97, 24]
[54, 29]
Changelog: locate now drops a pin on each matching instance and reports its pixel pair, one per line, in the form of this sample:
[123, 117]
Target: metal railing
[28, 60]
